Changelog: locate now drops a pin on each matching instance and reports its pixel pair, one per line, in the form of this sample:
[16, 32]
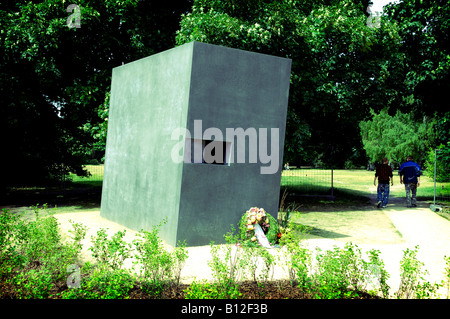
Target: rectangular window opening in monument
[214, 152]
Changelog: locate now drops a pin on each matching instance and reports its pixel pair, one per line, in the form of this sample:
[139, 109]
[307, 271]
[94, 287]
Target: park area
[249, 130]
[341, 248]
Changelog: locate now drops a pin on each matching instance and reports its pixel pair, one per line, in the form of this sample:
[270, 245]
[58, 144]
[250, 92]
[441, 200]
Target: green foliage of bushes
[34, 258]
[442, 163]
[412, 275]
[207, 290]
[110, 252]
[155, 266]
[36, 263]
[100, 282]
[158, 266]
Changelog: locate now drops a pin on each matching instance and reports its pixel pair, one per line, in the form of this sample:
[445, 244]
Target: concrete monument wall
[165, 109]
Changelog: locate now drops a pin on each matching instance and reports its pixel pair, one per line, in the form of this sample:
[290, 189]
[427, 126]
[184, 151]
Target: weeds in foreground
[226, 264]
[101, 282]
[446, 281]
[214, 290]
[412, 278]
[380, 275]
[110, 252]
[36, 263]
[156, 264]
[338, 273]
[335, 273]
[295, 258]
[33, 257]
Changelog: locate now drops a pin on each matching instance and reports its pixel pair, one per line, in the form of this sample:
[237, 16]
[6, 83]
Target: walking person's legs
[386, 195]
[408, 195]
[380, 191]
[413, 195]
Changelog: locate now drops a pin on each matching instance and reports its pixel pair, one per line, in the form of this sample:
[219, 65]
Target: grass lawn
[352, 188]
[354, 182]
[95, 171]
[347, 184]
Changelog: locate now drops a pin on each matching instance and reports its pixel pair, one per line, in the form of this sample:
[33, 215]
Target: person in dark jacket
[384, 174]
[410, 176]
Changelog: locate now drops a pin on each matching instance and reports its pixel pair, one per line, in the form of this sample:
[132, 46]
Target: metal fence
[302, 181]
[298, 181]
[441, 196]
[67, 187]
[308, 181]
[95, 174]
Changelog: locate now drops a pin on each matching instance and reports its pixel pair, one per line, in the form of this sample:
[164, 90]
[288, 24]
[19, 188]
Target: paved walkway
[420, 226]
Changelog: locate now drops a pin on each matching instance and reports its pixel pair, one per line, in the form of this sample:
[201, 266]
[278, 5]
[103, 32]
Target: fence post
[332, 188]
[63, 177]
[434, 207]
[435, 161]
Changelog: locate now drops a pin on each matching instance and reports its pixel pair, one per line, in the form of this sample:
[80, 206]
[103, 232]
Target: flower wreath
[268, 224]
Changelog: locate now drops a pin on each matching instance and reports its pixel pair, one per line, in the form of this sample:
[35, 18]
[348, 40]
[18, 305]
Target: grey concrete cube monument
[195, 136]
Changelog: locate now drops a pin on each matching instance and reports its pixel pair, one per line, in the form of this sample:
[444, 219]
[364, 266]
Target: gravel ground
[407, 228]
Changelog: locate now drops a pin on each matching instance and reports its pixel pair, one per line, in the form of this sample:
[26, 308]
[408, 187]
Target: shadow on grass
[81, 196]
[324, 233]
[324, 197]
[352, 214]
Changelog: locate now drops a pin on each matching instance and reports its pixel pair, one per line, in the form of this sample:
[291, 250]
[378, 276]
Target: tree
[339, 63]
[396, 137]
[424, 27]
[54, 79]
[442, 145]
[424, 66]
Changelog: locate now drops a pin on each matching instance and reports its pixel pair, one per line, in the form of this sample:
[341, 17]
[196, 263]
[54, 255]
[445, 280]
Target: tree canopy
[396, 137]
[346, 70]
[344, 66]
[55, 79]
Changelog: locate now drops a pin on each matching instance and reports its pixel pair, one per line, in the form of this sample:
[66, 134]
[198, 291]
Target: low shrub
[339, 270]
[110, 252]
[157, 265]
[35, 263]
[100, 282]
[33, 283]
[207, 290]
[295, 258]
[35, 258]
[378, 272]
[446, 281]
[412, 281]
[10, 239]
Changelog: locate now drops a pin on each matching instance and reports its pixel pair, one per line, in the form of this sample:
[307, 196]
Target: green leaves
[53, 79]
[110, 252]
[157, 264]
[423, 28]
[33, 257]
[412, 281]
[325, 43]
[342, 67]
[396, 137]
